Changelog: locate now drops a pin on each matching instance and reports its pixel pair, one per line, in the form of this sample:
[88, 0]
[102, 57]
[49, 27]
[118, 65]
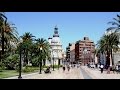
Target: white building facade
[56, 49]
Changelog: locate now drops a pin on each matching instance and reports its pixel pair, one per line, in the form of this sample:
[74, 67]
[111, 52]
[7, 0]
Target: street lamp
[84, 52]
[40, 60]
[58, 57]
[58, 61]
[0, 54]
[53, 62]
[20, 77]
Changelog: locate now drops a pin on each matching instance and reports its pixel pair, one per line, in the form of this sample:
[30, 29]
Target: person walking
[113, 68]
[117, 69]
[63, 68]
[101, 68]
[68, 67]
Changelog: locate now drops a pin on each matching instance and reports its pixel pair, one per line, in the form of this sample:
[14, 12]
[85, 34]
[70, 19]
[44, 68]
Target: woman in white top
[116, 68]
[101, 68]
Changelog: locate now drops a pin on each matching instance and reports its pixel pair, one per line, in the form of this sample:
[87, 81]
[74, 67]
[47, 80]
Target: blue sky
[72, 26]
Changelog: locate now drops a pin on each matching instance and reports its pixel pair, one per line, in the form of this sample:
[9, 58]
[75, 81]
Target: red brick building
[84, 51]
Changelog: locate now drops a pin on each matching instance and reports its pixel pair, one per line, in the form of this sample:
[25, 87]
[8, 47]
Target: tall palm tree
[103, 47]
[3, 20]
[116, 24]
[114, 42]
[107, 44]
[27, 41]
[27, 36]
[115, 33]
[10, 36]
[44, 45]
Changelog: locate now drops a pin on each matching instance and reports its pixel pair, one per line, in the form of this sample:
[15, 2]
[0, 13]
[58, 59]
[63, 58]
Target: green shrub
[2, 66]
[11, 61]
[0, 69]
[27, 69]
[17, 67]
[60, 65]
[44, 66]
[35, 62]
[56, 66]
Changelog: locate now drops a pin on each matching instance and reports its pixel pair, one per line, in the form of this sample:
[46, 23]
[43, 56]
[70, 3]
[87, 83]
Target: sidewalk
[96, 74]
[74, 73]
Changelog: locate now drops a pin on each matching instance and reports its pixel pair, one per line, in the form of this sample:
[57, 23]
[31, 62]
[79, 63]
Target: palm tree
[116, 24]
[27, 36]
[10, 36]
[115, 33]
[107, 44]
[27, 42]
[114, 42]
[3, 20]
[103, 47]
[42, 54]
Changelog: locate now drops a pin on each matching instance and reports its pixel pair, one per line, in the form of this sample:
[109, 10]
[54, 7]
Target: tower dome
[55, 38]
[55, 32]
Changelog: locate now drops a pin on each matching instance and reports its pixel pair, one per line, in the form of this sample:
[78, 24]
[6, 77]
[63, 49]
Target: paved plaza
[83, 72]
[74, 73]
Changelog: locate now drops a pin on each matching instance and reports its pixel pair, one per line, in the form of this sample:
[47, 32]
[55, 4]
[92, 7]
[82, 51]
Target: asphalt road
[85, 74]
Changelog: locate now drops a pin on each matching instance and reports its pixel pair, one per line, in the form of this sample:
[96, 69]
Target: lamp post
[58, 63]
[0, 54]
[84, 52]
[52, 58]
[20, 77]
[58, 57]
[40, 60]
[53, 62]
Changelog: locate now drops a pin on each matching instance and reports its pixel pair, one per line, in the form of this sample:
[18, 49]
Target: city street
[96, 73]
[85, 74]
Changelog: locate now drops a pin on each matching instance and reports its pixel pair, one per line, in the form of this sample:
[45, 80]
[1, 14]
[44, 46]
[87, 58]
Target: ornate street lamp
[0, 54]
[20, 77]
[52, 58]
[58, 57]
[84, 53]
[53, 62]
[40, 60]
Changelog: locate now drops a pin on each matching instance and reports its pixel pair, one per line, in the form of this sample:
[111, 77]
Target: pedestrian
[101, 68]
[108, 69]
[117, 69]
[68, 67]
[63, 68]
[113, 68]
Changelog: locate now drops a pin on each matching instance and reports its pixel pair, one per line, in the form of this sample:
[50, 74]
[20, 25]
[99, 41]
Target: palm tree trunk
[26, 57]
[112, 58]
[108, 59]
[40, 66]
[31, 57]
[44, 62]
[3, 33]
